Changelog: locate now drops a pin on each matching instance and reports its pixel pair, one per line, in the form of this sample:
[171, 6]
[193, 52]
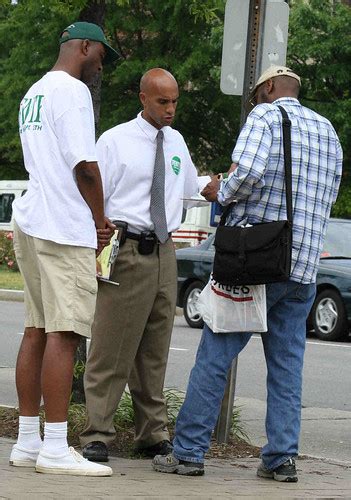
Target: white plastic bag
[227, 309]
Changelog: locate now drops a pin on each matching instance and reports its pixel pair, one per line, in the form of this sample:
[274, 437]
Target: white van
[198, 224]
[9, 191]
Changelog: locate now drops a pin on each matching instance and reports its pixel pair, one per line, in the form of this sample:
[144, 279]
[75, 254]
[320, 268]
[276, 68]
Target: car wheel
[328, 316]
[191, 313]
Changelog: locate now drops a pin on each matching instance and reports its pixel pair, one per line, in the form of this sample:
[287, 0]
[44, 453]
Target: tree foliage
[182, 36]
[185, 37]
[320, 52]
[28, 41]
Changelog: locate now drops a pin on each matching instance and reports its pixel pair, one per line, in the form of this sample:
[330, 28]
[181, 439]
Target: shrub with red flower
[7, 253]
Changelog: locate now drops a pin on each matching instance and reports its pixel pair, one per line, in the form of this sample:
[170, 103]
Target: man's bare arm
[90, 187]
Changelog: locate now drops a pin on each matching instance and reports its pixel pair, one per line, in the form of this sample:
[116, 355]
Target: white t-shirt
[56, 124]
[126, 159]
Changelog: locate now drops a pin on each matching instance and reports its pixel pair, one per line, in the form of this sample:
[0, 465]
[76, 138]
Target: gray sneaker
[171, 465]
[285, 473]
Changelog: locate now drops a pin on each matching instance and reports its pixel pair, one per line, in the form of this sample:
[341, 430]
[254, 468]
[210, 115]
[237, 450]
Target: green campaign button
[175, 163]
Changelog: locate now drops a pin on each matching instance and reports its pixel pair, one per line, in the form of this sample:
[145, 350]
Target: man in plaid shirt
[256, 182]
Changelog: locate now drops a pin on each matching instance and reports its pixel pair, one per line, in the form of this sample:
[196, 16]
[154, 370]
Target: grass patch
[11, 280]
[237, 447]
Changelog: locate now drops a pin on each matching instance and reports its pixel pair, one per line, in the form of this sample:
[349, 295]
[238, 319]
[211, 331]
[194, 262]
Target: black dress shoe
[161, 448]
[96, 451]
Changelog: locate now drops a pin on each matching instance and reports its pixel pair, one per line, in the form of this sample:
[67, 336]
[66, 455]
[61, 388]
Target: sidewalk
[236, 478]
[136, 479]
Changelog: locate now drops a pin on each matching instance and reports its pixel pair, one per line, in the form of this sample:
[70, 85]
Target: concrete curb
[179, 311]
[13, 295]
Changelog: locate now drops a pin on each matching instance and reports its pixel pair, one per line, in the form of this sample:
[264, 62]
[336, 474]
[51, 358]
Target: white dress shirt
[126, 156]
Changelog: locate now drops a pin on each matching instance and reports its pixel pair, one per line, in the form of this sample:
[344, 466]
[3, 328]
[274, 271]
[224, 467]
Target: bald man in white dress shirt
[133, 322]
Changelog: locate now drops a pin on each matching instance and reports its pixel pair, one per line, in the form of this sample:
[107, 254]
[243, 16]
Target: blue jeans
[288, 305]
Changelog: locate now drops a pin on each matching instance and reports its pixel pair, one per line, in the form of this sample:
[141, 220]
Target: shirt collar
[289, 100]
[149, 129]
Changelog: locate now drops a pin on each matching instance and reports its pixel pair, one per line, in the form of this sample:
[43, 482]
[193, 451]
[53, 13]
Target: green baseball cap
[88, 31]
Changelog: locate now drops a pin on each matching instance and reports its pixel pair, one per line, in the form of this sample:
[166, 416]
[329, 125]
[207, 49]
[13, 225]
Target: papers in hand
[106, 260]
[196, 201]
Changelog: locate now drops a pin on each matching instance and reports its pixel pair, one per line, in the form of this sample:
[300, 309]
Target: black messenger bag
[260, 253]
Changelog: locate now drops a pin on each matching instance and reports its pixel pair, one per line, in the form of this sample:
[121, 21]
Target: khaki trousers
[130, 343]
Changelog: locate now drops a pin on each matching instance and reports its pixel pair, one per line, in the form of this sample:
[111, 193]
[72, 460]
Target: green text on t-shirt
[29, 113]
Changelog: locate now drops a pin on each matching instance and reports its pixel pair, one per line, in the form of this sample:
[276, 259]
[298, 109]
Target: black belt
[137, 237]
[133, 236]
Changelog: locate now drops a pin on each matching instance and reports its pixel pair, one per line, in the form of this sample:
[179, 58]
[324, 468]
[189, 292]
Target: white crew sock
[55, 438]
[29, 433]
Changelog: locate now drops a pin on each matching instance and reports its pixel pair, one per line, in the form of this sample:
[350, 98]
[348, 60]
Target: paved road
[327, 374]
[327, 368]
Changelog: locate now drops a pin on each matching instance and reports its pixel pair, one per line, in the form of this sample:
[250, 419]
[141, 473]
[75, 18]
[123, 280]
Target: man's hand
[210, 191]
[232, 168]
[104, 235]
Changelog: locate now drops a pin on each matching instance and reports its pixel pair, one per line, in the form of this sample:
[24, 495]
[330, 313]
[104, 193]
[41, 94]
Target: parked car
[330, 317]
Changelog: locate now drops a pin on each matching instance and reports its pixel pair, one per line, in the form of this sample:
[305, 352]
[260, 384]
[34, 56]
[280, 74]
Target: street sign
[272, 36]
[275, 35]
[236, 23]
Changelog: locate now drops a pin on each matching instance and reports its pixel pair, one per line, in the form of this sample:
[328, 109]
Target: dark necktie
[157, 203]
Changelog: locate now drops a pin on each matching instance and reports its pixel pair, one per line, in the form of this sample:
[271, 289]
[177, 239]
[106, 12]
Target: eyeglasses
[253, 101]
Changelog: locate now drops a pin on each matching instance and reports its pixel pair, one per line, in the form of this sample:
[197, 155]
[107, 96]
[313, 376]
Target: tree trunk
[95, 12]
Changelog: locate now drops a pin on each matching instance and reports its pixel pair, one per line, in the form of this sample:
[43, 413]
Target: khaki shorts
[60, 286]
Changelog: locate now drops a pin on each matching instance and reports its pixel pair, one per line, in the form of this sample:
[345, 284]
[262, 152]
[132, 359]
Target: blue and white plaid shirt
[258, 182]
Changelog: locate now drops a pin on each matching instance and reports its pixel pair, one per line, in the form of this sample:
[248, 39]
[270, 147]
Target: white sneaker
[71, 463]
[20, 457]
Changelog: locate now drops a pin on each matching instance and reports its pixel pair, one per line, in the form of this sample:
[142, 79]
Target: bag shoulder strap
[287, 168]
[287, 162]
[225, 213]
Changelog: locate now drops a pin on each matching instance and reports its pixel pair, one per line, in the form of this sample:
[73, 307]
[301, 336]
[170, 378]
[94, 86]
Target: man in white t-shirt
[133, 322]
[59, 224]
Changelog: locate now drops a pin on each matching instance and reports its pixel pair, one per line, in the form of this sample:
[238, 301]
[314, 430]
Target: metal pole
[252, 70]
[224, 422]
[253, 52]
